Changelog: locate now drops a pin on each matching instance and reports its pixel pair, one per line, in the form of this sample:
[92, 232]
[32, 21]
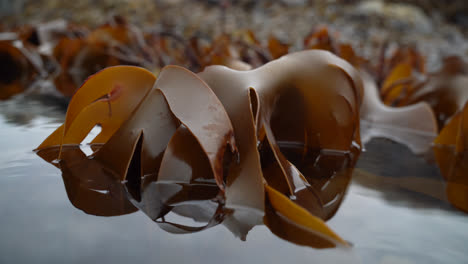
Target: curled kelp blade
[180, 105]
[107, 99]
[451, 153]
[184, 177]
[195, 105]
[327, 172]
[414, 125]
[400, 78]
[292, 232]
[291, 123]
[259, 103]
[191, 210]
[282, 175]
[136, 148]
[190, 200]
[244, 183]
[184, 160]
[445, 90]
[297, 215]
[334, 81]
[184, 185]
[89, 188]
[322, 75]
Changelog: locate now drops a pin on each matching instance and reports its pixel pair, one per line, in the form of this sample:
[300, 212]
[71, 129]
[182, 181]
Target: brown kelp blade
[195, 105]
[184, 160]
[283, 173]
[451, 153]
[172, 139]
[296, 214]
[142, 139]
[414, 125]
[89, 188]
[252, 97]
[107, 99]
[445, 90]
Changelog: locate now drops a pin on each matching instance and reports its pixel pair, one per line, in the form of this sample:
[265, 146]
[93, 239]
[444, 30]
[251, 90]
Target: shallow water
[385, 217]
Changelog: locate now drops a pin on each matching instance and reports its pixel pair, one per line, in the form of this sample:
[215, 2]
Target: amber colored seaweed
[161, 137]
[451, 152]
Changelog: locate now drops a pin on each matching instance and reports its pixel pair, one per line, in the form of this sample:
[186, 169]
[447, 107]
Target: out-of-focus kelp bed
[243, 113]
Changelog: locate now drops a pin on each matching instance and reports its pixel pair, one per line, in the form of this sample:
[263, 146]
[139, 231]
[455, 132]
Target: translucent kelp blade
[290, 231]
[313, 74]
[153, 124]
[445, 90]
[414, 125]
[184, 177]
[299, 190]
[244, 183]
[184, 160]
[294, 122]
[195, 105]
[175, 228]
[300, 216]
[250, 98]
[394, 83]
[176, 188]
[450, 132]
[332, 121]
[451, 153]
[107, 98]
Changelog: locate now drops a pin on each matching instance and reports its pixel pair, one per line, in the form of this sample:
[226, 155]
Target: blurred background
[53, 43]
[433, 25]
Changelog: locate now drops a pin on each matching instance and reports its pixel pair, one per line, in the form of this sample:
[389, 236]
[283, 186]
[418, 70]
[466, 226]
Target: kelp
[18, 66]
[405, 103]
[451, 152]
[275, 103]
[445, 93]
[73, 53]
[80, 56]
[443, 90]
[414, 126]
[88, 186]
[321, 39]
[256, 141]
[196, 196]
[223, 137]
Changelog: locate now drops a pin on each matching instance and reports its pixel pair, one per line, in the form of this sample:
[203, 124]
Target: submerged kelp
[229, 127]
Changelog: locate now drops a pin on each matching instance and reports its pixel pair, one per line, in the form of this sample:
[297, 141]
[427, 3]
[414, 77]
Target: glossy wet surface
[385, 217]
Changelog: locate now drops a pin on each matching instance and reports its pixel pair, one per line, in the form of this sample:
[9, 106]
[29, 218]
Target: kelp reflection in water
[91, 188]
